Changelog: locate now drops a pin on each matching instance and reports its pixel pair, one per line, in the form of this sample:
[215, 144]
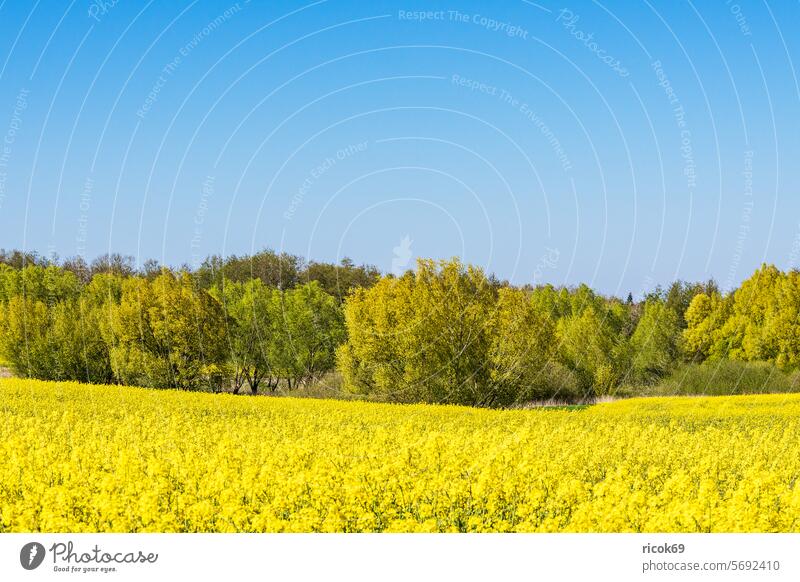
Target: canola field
[77, 458]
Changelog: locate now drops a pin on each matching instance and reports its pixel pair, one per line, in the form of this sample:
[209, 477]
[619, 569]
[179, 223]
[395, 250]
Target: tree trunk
[238, 380]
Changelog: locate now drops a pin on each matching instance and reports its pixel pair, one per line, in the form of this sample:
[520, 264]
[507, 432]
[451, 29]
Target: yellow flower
[79, 458]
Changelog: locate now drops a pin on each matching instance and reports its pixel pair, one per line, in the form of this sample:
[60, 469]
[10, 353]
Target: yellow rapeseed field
[109, 458]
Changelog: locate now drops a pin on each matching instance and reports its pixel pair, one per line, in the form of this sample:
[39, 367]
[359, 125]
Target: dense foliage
[444, 332]
[165, 329]
[118, 459]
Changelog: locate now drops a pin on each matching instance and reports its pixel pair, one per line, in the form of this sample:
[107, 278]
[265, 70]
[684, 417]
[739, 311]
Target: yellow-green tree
[423, 337]
[26, 342]
[371, 360]
[705, 318]
[523, 353]
[166, 334]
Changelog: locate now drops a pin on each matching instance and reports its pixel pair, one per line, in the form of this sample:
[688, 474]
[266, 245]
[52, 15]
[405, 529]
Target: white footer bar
[439, 557]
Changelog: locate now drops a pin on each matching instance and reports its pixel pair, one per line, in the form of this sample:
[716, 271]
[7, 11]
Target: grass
[724, 378]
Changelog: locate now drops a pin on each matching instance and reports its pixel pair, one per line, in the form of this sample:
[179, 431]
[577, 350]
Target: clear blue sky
[618, 144]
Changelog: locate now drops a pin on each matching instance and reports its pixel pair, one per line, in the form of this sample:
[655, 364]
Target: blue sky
[618, 144]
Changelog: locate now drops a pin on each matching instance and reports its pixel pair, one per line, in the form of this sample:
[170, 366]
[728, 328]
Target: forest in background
[445, 332]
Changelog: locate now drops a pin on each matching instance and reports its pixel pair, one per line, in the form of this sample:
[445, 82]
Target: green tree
[340, 280]
[679, 295]
[279, 270]
[82, 353]
[51, 326]
[781, 335]
[588, 346]
[250, 333]
[309, 326]
[656, 343]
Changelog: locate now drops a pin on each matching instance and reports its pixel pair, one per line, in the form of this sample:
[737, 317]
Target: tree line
[255, 322]
[444, 332]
